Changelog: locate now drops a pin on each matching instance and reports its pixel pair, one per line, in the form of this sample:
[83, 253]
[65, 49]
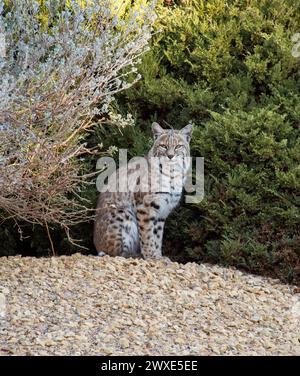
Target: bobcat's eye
[163, 146]
[178, 147]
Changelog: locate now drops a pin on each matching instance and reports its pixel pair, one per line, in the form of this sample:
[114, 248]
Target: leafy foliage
[228, 67]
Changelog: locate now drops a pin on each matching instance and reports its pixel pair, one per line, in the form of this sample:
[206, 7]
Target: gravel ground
[85, 305]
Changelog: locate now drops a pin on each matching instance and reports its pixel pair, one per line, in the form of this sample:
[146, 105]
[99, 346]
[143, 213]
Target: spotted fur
[131, 224]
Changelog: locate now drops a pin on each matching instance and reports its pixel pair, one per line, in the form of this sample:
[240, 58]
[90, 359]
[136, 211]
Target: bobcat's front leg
[150, 231]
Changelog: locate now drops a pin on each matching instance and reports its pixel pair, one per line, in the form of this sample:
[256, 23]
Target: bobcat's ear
[187, 132]
[157, 130]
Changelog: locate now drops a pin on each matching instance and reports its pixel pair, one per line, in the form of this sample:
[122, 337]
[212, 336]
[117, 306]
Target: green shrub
[228, 67]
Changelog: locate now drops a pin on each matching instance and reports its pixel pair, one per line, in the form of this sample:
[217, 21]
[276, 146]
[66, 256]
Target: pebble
[84, 305]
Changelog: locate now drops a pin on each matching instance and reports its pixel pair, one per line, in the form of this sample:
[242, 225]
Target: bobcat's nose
[170, 156]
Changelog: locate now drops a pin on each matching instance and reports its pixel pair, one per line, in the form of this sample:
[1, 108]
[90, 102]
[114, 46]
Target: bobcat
[130, 224]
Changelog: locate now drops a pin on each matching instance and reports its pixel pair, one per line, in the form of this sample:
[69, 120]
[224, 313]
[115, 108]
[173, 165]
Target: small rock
[124, 342]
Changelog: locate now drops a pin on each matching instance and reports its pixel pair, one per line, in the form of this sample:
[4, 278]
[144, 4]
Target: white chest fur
[170, 179]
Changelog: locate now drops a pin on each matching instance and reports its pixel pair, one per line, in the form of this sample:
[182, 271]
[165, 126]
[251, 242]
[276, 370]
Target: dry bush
[60, 65]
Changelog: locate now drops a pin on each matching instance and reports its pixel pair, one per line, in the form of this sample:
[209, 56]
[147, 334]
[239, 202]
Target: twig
[50, 239]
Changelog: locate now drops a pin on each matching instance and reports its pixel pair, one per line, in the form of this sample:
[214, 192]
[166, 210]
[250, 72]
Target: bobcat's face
[171, 145]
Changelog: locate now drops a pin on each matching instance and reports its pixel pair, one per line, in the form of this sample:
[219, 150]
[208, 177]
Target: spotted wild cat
[131, 223]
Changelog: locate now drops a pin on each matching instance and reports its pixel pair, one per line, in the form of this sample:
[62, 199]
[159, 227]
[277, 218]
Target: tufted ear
[157, 130]
[187, 132]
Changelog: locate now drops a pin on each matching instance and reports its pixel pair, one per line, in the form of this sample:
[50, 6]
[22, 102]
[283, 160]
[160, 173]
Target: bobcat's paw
[101, 254]
[165, 259]
[159, 258]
